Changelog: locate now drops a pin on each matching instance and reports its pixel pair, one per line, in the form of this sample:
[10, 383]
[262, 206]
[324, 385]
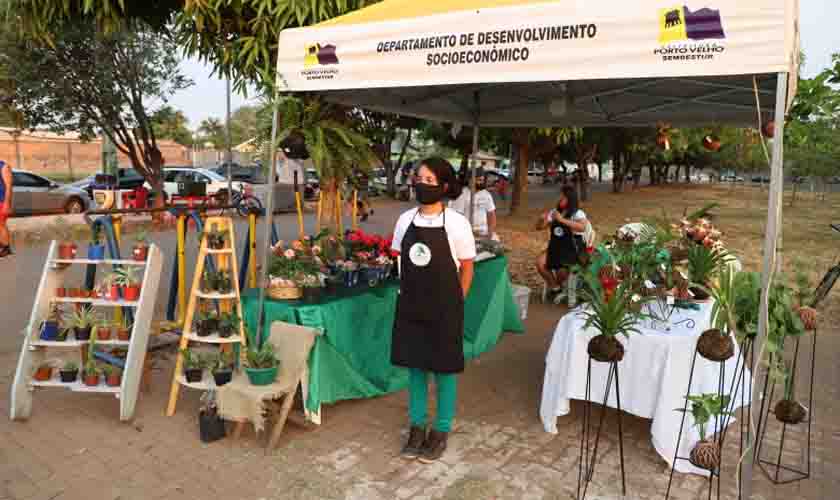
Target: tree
[169, 123]
[243, 124]
[95, 84]
[213, 131]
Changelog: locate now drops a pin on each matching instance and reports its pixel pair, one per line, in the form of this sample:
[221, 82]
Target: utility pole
[228, 152]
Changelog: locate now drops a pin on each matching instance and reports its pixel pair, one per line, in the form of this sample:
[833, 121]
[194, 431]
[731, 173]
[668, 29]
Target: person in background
[437, 253]
[567, 225]
[5, 208]
[484, 221]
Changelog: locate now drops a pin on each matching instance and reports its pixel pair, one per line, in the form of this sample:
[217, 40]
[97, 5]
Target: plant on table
[141, 247]
[194, 364]
[113, 376]
[216, 238]
[288, 265]
[223, 367]
[611, 316]
[81, 321]
[69, 372]
[127, 278]
[261, 364]
[716, 344]
[704, 264]
[704, 408]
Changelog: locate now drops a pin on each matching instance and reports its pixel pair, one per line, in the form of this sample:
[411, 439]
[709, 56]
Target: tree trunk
[688, 173]
[392, 172]
[600, 173]
[518, 201]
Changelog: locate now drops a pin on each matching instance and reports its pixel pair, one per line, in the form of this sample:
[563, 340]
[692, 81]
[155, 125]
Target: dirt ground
[74, 447]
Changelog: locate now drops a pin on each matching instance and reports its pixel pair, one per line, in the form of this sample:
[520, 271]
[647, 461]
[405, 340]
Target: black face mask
[429, 195]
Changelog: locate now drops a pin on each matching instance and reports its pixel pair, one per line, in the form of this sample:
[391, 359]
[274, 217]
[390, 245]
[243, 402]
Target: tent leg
[774, 216]
[477, 99]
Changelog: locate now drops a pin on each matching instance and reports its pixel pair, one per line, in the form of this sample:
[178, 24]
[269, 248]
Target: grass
[742, 217]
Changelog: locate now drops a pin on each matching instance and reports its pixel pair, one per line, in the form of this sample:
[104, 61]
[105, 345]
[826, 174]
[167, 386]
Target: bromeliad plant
[611, 316]
[716, 344]
[704, 408]
[704, 264]
[262, 358]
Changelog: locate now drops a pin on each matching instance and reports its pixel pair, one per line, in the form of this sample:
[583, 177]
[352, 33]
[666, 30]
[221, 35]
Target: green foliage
[223, 361]
[212, 130]
[703, 212]
[83, 317]
[193, 360]
[126, 276]
[706, 407]
[704, 264]
[169, 123]
[263, 357]
[71, 366]
[725, 295]
[804, 292]
[216, 281]
[611, 316]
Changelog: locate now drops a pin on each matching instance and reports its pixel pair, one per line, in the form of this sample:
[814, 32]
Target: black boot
[434, 447]
[414, 446]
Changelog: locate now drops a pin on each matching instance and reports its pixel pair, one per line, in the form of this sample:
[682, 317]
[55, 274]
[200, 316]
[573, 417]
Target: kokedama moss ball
[705, 455]
[715, 346]
[605, 349]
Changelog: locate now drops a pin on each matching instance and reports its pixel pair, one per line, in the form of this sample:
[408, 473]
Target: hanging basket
[711, 143]
[715, 346]
[284, 292]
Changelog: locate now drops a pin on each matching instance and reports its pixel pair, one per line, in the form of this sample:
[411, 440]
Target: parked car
[127, 178]
[799, 179]
[215, 182]
[763, 179]
[33, 194]
[731, 178]
[251, 174]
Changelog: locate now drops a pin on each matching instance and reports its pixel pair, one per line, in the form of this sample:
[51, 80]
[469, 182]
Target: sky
[820, 37]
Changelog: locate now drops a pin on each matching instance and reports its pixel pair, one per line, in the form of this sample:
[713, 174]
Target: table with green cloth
[352, 359]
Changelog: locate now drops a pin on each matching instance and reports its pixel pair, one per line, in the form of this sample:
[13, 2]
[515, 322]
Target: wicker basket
[284, 292]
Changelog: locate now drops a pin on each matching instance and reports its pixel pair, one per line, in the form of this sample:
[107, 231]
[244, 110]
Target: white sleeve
[489, 205]
[399, 233]
[579, 215]
[464, 240]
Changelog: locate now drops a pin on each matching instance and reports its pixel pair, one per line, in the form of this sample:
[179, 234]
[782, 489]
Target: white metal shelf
[77, 386]
[215, 295]
[113, 262]
[77, 343]
[213, 338]
[97, 302]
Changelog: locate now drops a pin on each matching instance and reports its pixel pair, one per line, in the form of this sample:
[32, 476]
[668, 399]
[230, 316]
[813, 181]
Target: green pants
[447, 389]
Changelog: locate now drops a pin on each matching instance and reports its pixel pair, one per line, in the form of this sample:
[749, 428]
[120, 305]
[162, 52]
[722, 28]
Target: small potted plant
[788, 410]
[706, 453]
[141, 247]
[50, 329]
[311, 286]
[704, 264]
[216, 238]
[96, 249]
[223, 281]
[91, 373]
[193, 366]
[612, 317]
[206, 323]
[223, 367]
[43, 373]
[716, 344]
[103, 330]
[804, 297]
[66, 245]
[126, 277]
[123, 330]
[69, 373]
[81, 321]
[229, 324]
[113, 376]
[261, 365]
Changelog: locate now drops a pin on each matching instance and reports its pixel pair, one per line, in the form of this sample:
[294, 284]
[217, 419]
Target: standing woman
[5, 208]
[437, 250]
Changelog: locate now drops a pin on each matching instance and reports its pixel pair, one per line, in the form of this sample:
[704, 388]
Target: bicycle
[828, 280]
[241, 200]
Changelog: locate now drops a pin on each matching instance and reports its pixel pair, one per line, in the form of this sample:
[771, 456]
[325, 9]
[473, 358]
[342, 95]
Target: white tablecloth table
[654, 376]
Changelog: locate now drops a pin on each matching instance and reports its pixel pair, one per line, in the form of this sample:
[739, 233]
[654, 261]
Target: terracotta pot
[103, 333]
[140, 252]
[131, 293]
[43, 373]
[114, 293]
[91, 380]
[61, 292]
[124, 334]
[113, 380]
[66, 250]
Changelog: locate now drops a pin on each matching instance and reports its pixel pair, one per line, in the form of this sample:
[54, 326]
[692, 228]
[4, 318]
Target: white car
[215, 182]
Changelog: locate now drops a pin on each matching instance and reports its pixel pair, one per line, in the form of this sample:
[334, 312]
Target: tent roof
[551, 63]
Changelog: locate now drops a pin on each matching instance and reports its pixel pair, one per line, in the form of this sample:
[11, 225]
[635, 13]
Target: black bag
[211, 427]
[190, 188]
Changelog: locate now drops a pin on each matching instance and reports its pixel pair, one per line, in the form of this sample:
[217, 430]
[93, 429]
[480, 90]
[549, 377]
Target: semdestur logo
[319, 55]
[680, 23]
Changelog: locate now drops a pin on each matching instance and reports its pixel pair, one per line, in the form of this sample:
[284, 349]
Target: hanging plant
[769, 129]
[706, 453]
[663, 136]
[712, 143]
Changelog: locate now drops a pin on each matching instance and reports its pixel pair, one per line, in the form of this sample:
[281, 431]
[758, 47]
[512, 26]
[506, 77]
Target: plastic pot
[96, 252]
[91, 380]
[225, 332]
[66, 250]
[131, 293]
[193, 375]
[222, 377]
[61, 292]
[103, 333]
[140, 252]
[261, 376]
[68, 376]
[114, 293]
[113, 380]
[123, 334]
[49, 330]
[43, 373]
[82, 333]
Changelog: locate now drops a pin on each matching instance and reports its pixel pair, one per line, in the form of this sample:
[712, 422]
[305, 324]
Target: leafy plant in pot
[716, 344]
[91, 373]
[141, 247]
[82, 321]
[96, 249]
[223, 367]
[261, 365]
[706, 453]
[193, 366]
[113, 376]
[704, 264]
[229, 324]
[126, 277]
[50, 329]
[216, 281]
[206, 323]
[611, 316]
[788, 410]
[69, 372]
[216, 238]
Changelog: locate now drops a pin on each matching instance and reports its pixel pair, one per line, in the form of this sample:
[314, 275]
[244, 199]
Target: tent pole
[269, 220]
[768, 268]
[473, 158]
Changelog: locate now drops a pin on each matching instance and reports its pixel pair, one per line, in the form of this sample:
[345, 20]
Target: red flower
[589, 250]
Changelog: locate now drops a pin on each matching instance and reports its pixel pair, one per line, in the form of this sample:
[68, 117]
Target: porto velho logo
[319, 55]
[677, 24]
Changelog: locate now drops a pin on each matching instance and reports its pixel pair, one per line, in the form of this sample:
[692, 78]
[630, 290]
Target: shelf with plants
[88, 330]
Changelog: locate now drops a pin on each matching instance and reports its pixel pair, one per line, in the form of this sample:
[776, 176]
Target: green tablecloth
[352, 359]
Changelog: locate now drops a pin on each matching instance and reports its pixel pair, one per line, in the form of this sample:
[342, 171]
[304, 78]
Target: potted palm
[611, 316]
[261, 365]
[704, 264]
[126, 277]
[141, 247]
[81, 320]
[716, 344]
[69, 372]
[193, 366]
[223, 367]
[706, 453]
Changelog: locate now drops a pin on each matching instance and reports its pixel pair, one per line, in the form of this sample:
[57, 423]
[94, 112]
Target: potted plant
[804, 298]
[261, 365]
[96, 249]
[49, 329]
[223, 367]
[703, 265]
[60, 292]
[193, 366]
[91, 372]
[612, 317]
[216, 238]
[123, 330]
[216, 281]
[103, 330]
[229, 324]
[788, 410]
[311, 287]
[113, 376]
[716, 344]
[706, 453]
[206, 323]
[141, 247]
[43, 373]
[70, 372]
[81, 321]
[126, 277]
[66, 245]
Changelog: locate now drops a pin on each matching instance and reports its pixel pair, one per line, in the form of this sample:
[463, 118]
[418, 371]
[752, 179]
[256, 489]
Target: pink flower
[290, 254]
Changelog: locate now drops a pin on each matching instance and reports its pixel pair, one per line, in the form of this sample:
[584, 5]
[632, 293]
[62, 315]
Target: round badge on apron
[558, 231]
[420, 254]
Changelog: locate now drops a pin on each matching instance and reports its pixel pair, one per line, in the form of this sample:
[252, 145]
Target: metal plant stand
[589, 456]
[774, 464]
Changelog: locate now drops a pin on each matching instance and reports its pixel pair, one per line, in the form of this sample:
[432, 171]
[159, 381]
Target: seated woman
[567, 225]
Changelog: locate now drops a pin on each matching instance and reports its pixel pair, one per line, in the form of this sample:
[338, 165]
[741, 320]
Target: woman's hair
[445, 175]
[571, 196]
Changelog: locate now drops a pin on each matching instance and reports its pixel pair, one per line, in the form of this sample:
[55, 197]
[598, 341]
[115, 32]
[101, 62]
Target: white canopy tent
[527, 63]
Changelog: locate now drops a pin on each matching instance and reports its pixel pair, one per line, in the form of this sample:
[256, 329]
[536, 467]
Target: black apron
[429, 327]
[563, 247]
